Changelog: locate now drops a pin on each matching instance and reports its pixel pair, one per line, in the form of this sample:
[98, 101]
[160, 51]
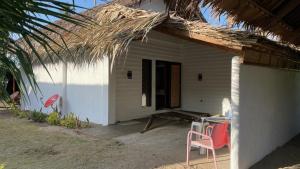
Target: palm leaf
[22, 18]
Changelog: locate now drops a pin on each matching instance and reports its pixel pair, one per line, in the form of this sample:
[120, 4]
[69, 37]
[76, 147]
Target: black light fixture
[200, 77]
[129, 74]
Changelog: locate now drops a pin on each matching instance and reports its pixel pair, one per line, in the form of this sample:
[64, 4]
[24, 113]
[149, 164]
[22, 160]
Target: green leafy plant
[53, 118]
[86, 123]
[71, 121]
[24, 114]
[38, 116]
[18, 112]
[14, 109]
[2, 166]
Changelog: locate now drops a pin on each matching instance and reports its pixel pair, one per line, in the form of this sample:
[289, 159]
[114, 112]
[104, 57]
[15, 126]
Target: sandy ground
[28, 145]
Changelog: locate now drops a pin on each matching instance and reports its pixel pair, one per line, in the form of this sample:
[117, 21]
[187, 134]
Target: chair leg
[188, 149]
[215, 161]
[207, 153]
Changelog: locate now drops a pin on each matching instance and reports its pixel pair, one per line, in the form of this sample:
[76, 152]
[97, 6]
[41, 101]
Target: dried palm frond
[250, 17]
[218, 10]
[187, 9]
[117, 27]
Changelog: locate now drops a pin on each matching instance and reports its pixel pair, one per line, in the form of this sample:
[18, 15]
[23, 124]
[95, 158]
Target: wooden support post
[149, 123]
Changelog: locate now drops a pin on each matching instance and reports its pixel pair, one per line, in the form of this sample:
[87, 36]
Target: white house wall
[129, 91]
[153, 5]
[205, 96]
[209, 94]
[87, 91]
[268, 111]
[48, 86]
[85, 94]
[297, 102]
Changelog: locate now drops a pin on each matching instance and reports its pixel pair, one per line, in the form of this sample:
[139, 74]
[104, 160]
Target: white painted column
[297, 100]
[111, 72]
[235, 81]
[63, 103]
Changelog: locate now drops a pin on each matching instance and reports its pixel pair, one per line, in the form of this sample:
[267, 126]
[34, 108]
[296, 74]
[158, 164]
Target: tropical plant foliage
[27, 20]
[38, 116]
[2, 166]
[54, 118]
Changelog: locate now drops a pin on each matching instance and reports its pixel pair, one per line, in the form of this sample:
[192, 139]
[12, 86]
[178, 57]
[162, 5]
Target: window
[146, 82]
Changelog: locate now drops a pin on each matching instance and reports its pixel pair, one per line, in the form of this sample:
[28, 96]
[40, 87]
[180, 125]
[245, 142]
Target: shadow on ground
[287, 157]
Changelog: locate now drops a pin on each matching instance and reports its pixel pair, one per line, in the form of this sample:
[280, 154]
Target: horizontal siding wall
[129, 91]
[153, 5]
[214, 64]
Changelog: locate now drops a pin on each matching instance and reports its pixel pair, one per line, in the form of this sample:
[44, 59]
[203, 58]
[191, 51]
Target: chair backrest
[196, 126]
[220, 135]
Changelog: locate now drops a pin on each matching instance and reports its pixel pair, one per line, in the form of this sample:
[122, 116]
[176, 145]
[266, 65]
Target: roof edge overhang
[198, 38]
[260, 53]
[101, 40]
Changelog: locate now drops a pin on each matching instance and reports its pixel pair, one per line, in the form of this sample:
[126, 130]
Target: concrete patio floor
[25, 144]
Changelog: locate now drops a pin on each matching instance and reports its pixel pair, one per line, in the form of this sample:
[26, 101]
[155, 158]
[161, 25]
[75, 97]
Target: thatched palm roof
[118, 25]
[281, 17]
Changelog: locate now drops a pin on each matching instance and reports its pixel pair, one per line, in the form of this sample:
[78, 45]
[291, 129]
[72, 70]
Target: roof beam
[202, 39]
[270, 59]
[278, 3]
[269, 13]
[259, 7]
[291, 5]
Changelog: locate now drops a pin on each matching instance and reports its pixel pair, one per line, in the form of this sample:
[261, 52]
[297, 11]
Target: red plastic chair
[216, 136]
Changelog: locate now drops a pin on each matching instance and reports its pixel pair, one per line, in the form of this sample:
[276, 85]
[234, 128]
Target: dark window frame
[147, 81]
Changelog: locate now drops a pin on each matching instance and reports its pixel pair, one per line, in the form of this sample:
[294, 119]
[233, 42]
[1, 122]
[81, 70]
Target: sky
[219, 21]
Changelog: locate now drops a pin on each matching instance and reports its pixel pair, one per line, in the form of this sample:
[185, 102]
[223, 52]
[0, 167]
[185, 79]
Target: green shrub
[86, 124]
[2, 166]
[38, 116]
[71, 121]
[15, 109]
[18, 112]
[53, 118]
[24, 114]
